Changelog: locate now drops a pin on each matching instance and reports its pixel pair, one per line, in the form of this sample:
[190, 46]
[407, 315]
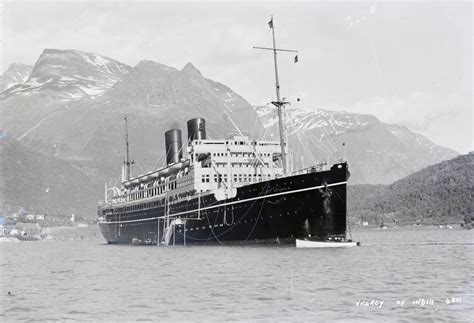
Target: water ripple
[60, 281]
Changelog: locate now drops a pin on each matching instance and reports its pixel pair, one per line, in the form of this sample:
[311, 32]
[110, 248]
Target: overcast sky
[408, 63]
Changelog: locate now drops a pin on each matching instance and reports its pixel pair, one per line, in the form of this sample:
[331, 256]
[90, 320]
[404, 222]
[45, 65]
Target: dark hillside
[440, 193]
[43, 184]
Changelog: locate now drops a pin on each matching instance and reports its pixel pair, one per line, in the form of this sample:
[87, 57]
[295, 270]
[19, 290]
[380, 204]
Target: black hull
[311, 205]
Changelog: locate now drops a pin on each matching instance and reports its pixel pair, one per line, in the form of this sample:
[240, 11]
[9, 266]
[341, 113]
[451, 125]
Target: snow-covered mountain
[378, 153]
[301, 120]
[16, 73]
[58, 78]
[70, 74]
[415, 144]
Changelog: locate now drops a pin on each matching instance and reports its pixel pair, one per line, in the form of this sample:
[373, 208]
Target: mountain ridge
[71, 72]
[378, 153]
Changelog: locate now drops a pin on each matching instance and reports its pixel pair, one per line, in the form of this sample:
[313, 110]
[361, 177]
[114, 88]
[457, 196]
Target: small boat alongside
[326, 244]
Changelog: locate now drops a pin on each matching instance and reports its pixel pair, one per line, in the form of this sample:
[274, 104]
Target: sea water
[405, 273]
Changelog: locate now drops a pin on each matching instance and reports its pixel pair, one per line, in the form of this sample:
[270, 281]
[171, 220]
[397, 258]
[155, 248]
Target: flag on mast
[270, 23]
[296, 58]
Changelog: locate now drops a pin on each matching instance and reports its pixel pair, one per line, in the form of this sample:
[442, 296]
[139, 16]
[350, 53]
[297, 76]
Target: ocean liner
[235, 190]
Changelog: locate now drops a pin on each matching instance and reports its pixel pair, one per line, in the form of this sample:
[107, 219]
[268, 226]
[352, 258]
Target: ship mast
[127, 163]
[279, 103]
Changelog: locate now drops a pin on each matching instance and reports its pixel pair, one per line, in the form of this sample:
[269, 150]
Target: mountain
[58, 78]
[15, 74]
[418, 147]
[377, 153]
[70, 74]
[88, 131]
[42, 184]
[441, 193]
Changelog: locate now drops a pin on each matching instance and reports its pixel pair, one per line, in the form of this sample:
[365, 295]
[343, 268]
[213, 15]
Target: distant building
[14, 232]
[40, 216]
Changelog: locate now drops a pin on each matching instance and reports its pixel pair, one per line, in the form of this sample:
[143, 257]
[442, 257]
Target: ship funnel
[173, 144]
[196, 129]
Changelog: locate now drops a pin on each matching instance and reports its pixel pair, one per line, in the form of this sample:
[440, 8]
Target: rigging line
[246, 213]
[192, 238]
[141, 168]
[330, 141]
[160, 158]
[209, 221]
[118, 177]
[258, 217]
[267, 133]
[254, 160]
[219, 174]
[265, 190]
[304, 148]
[116, 180]
[315, 157]
[323, 146]
[212, 226]
[240, 132]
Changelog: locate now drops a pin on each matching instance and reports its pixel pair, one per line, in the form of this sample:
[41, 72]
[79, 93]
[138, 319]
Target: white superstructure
[215, 166]
[231, 163]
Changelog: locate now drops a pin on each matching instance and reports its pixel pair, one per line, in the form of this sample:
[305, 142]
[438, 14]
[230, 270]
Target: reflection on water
[400, 273]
